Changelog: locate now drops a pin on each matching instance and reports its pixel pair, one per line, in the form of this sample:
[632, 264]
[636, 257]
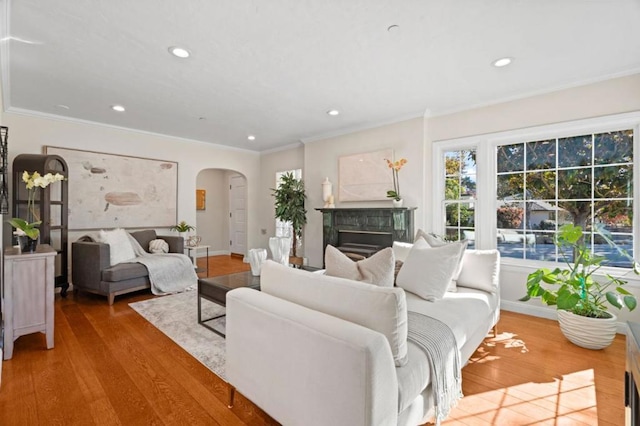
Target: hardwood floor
[110, 366]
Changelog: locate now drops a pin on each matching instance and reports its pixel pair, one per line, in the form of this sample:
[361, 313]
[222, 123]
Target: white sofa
[291, 351]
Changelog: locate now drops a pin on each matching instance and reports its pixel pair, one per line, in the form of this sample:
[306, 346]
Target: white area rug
[177, 317]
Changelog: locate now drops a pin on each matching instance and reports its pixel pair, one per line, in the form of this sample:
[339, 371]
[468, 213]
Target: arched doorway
[222, 223]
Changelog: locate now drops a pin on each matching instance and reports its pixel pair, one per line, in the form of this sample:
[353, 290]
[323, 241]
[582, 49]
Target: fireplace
[362, 244]
[361, 232]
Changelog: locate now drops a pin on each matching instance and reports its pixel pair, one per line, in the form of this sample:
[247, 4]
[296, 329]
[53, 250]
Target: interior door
[238, 214]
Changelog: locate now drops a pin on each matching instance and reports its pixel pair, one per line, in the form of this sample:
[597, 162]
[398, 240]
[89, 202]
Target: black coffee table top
[216, 288]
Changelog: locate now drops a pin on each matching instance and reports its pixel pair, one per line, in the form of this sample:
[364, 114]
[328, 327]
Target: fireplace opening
[358, 245]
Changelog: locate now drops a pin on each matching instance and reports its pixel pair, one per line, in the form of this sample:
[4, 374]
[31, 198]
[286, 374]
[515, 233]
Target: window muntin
[460, 193]
[584, 179]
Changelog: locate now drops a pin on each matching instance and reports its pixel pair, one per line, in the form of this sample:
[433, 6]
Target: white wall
[604, 98]
[212, 223]
[29, 134]
[321, 160]
[270, 163]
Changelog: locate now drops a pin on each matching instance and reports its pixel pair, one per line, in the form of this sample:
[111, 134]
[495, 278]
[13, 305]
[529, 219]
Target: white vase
[397, 203]
[279, 247]
[590, 333]
[327, 189]
[256, 258]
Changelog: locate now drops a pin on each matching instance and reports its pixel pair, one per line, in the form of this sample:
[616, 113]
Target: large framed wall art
[118, 191]
[365, 177]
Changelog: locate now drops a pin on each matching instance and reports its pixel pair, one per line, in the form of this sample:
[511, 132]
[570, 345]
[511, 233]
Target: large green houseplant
[289, 205]
[578, 290]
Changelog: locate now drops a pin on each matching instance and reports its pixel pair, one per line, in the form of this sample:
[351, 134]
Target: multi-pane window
[284, 229]
[586, 180]
[460, 195]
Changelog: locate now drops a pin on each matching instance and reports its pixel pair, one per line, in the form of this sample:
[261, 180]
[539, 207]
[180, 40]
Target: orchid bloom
[395, 167]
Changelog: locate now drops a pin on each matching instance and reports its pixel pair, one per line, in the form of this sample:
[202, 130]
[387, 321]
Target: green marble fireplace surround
[374, 226]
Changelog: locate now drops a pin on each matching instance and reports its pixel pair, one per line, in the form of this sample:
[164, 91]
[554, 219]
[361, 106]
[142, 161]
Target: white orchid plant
[33, 181]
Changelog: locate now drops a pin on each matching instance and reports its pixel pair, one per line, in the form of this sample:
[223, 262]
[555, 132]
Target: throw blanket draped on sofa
[168, 272]
[437, 340]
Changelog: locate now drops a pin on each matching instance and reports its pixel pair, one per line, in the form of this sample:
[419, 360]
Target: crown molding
[48, 116]
[534, 93]
[361, 127]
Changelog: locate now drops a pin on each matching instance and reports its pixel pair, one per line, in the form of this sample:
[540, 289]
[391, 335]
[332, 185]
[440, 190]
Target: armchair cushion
[124, 271]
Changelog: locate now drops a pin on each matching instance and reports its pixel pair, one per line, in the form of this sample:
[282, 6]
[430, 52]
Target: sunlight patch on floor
[506, 339]
[568, 399]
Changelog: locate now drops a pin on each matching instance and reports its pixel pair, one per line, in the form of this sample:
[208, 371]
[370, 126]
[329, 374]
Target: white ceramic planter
[279, 247]
[590, 333]
[256, 259]
[397, 203]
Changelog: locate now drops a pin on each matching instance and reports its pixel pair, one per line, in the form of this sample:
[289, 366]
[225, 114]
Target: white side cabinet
[29, 280]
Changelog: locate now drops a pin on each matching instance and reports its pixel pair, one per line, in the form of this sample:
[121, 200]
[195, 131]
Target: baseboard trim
[542, 312]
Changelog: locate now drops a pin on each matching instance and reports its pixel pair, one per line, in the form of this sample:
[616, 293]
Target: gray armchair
[91, 271]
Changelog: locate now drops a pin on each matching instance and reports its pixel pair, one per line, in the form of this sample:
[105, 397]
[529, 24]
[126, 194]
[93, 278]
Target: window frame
[486, 174]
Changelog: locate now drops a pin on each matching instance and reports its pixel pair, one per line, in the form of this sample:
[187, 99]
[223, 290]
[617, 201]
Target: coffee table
[215, 290]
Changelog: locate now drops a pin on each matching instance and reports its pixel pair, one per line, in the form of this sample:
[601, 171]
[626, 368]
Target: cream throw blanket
[437, 340]
[168, 272]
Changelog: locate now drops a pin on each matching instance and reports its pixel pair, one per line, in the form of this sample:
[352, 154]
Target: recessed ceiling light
[202, 118]
[393, 28]
[118, 108]
[502, 62]
[251, 138]
[179, 52]
[62, 106]
[333, 112]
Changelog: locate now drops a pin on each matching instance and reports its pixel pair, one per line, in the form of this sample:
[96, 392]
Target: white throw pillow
[420, 234]
[401, 250]
[481, 271]
[434, 241]
[427, 271]
[120, 249]
[158, 246]
[377, 269]
[383, 309]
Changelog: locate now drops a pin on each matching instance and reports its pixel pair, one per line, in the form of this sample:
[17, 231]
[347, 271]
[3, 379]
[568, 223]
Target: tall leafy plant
[289, 204]
[577, 288]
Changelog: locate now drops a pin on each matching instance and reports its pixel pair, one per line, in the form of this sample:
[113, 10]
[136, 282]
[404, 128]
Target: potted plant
[289, 204]
[578, 293]
[183, 227]
[27, 230]
[395, 167]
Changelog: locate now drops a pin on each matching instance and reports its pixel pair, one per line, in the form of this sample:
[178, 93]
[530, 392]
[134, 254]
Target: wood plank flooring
[111, 367]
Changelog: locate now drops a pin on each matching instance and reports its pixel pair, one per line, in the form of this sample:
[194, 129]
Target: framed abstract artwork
[110, 190]
[365, 177]
[201, 199]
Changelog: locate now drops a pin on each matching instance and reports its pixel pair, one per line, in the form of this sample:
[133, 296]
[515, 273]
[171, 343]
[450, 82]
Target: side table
[29, 280]
[195, 255]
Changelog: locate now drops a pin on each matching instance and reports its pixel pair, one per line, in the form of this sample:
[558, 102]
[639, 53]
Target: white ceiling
[273, 68]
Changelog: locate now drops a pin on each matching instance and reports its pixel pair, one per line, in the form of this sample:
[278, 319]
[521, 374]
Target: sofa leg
[232, 394]
[495, 330]
[111, 298]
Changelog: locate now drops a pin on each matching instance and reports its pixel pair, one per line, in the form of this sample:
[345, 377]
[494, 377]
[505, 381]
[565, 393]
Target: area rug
[176, 316]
